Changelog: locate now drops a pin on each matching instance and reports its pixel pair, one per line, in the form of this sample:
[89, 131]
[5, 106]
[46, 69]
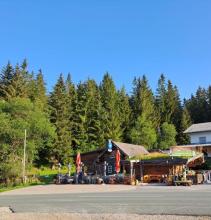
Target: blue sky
[125, 38]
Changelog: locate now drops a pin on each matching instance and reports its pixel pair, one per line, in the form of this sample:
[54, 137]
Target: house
[103, 160]
[200, 139]
[200, 133]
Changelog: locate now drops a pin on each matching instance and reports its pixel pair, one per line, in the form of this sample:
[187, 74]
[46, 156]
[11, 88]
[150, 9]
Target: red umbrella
[117, 161]
[78, 162]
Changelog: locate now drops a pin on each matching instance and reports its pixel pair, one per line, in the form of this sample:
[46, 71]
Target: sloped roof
[199, 128]
[131, 149]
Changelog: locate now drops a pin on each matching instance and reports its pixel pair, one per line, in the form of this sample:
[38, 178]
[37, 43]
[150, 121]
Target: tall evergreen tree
[161, 98]
[72, 102]
[5, 79]
[80, 137]
[18, 85]
[167, 136]
[125, 113]
[209, 103]
[168, 103]
[94, 116]
[184, 124]
[198, 106]
[41, 88]
[143, 133]
[60, 118]
[111, 121]
[144, 120]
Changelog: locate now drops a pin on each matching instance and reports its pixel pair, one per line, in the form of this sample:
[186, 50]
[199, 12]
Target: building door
[110, 166]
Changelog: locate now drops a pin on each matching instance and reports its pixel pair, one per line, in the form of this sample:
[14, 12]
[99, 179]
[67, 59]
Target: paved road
[195, 200]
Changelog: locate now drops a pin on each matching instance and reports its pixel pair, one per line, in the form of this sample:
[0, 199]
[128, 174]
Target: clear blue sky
[125, 38]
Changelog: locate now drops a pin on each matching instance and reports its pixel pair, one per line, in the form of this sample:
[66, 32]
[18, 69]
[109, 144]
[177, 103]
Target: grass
[8, 188]
[44, 176]
[151, 156]
[157, 155]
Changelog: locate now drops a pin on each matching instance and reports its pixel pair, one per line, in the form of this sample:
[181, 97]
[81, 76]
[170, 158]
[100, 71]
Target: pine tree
[198, 106]
[5, 80]
[143, 100]
[143, 133]
[167, 136]
[161, 98]
[111, 121]
[94, 116]
[177, 112]
[209, 103]
[18, 85]
[125, 113]
[72, 104]
[168, 104]
[143, 118]
[184, 124]
[80, 137]
[60, 118]
[40, 88]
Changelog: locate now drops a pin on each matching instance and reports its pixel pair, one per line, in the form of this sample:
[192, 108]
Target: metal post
[131, 170]
[141, 172]
[69, 169]
[105, 164]
[24, 159]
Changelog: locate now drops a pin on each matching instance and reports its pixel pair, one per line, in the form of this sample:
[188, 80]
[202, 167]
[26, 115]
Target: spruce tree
[125, 113]
[198, 106]
[209, 103]
[58, 102]
[184, 124]
[18, 85]
[143, 133]
[168, 104]
[41, 88]
[5, 80]
[161, 98]
[167, 136]
[80, 136]
[111, 119]
[72, 102]
[144, 122]
[94, 116]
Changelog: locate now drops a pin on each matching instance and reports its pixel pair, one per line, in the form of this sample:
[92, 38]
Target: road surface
[195, 200]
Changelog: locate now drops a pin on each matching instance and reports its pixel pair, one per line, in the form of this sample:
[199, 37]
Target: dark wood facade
[102, 161]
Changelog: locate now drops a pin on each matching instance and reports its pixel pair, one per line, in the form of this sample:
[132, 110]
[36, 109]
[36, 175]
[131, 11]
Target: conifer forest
[81, 117]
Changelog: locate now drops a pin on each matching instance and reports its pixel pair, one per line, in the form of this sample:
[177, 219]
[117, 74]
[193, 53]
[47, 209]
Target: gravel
[68, 216]
[69, 188]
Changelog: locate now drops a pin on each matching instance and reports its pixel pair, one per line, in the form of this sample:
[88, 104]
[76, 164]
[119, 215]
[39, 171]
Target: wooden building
[154, 170]
[103, 162]
[200, 139]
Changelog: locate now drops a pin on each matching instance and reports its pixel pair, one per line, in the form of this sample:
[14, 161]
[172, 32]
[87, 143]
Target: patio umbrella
[117, 161]
[78, 162]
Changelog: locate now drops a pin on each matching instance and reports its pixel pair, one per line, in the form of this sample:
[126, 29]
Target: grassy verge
[8, 188]
[42, 176]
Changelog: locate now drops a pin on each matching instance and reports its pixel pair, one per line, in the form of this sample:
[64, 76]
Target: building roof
[198, 128]
[131, 150]
[190, 146]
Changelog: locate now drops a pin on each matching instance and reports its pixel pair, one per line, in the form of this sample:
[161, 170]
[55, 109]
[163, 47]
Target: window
[109, 169]
[202, 140]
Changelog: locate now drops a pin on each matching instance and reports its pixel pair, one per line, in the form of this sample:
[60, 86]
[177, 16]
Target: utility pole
[24, 159]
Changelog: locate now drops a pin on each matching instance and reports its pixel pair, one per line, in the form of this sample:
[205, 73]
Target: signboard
[183, 153]
[109, 146]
